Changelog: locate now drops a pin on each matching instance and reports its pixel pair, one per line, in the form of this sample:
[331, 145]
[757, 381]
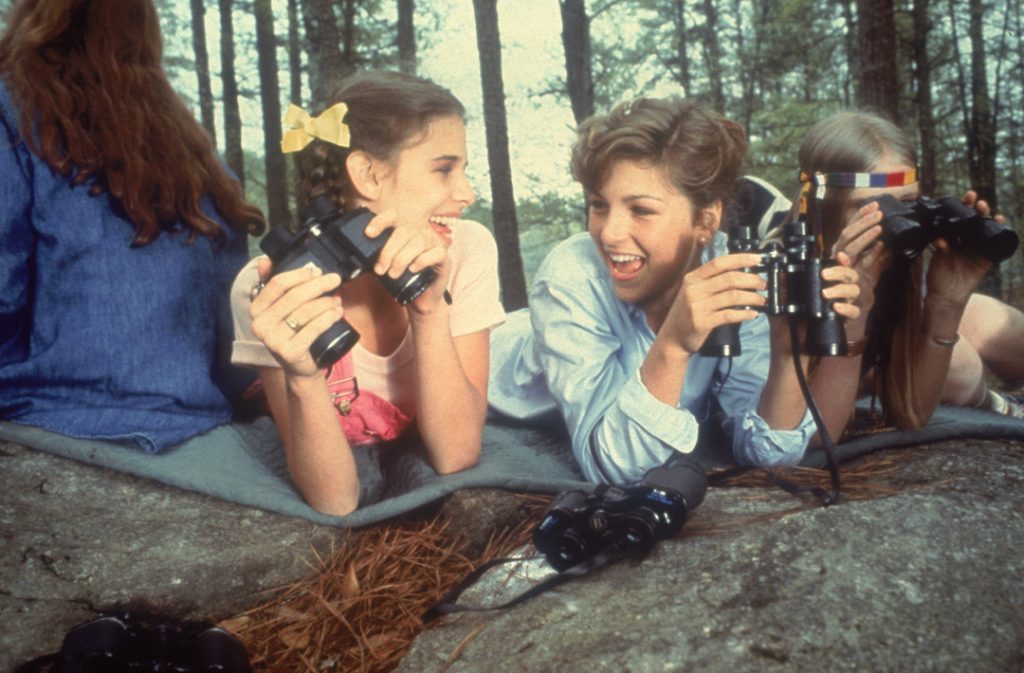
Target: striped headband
[860, 180]
[850, 180]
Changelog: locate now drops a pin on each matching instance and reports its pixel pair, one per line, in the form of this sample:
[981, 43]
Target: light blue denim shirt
[582, 355]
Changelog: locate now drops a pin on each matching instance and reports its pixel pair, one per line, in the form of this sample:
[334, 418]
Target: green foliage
[544, 221]
[781, 123]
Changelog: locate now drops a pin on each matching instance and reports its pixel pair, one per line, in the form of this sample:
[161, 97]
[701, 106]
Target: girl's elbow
[339, 508]
[453, 464]
[769, 458]
[334, 504]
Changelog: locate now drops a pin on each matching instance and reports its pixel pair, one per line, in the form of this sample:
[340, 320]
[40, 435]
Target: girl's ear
[364, 175]
[709, 219]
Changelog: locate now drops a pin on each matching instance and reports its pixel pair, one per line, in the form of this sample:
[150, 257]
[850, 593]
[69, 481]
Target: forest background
[949, 72]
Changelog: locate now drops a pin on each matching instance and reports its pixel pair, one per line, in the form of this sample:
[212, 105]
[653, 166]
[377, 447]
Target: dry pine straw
[361, 608]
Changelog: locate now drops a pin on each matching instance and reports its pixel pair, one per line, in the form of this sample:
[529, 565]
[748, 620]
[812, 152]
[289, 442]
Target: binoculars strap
[446, 604]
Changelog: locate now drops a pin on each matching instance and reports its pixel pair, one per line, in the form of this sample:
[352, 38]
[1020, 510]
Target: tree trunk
[406, 36]
[348, 36]
[682, 59]
[961, 84]
[229, 84]
[576, 44]
[923, 97]
[506, 228]
[713, 55]
[983, 133]
[852, 57]
[295, 94]
[270, 98]
[294, 54]
[752, 78]
[983, 128]
[876, 37]
[323, 50]
[203, 68]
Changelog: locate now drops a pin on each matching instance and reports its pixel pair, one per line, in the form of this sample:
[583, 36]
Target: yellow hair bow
[304, 128]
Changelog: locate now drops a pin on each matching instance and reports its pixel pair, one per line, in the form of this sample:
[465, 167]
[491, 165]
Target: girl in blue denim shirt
[619, 315]
[121, 232]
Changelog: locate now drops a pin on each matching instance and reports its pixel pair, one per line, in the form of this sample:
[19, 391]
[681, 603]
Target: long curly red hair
[97, 107]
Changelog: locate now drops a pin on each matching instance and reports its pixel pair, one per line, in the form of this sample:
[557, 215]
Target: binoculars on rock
[335, 242]
[909, 227]
[116, 644]
[792, 268]
[578, 526]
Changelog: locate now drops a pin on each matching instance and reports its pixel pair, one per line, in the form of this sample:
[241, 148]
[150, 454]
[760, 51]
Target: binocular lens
[408, 286]
[332, 345]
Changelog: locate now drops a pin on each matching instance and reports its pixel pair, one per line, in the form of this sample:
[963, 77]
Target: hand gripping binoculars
[909, 227]
[335, 242]
[793, 273]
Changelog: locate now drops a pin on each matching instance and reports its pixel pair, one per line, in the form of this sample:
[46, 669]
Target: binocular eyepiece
[335, 242]
[909, 227]
[578, 525]
[793, 274]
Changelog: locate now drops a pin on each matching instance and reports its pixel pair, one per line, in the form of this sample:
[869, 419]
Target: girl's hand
[844, 286]
[953, 275]
[291, 311]
[861, 244]
[970, 199]
[412, 249]
[709, 296]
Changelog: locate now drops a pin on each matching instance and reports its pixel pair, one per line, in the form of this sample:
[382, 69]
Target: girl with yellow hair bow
[394, 144]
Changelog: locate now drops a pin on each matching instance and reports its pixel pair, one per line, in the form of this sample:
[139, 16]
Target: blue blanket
[244, 463]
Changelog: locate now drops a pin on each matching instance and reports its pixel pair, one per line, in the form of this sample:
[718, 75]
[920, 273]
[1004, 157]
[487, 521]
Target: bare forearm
[782, 404]
[450, 408]
[318, 455]
[836, 383]
[664, 370]
[931, 359]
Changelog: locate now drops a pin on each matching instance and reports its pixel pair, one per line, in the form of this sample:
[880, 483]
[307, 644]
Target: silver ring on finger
[291, 323]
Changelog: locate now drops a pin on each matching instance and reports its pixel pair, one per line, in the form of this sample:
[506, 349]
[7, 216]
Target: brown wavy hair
[96, 106]
[700, 151]
[386, 112]
[854, 142]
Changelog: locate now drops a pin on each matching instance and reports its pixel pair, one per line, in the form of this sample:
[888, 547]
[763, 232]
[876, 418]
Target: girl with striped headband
[924, 336]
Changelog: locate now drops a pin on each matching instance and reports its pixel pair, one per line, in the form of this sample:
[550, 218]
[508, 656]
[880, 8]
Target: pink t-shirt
[476, 306]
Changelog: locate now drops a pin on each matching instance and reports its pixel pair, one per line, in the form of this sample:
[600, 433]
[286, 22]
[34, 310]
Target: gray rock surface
[928, 579]
[78, 539]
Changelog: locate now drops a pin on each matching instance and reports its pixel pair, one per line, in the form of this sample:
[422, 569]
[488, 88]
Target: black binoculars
[577, 525]
[909, 227]
[112, 644]
[792, 270]
[335, 242]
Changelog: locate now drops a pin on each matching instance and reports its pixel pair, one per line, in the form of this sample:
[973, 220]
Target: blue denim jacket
[582, 355]
[99, 339]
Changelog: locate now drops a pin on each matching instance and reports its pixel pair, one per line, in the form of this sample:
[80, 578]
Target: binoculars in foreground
[578, 526]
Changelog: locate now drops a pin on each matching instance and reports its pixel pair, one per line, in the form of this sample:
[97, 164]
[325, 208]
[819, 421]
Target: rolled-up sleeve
[753, 441]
